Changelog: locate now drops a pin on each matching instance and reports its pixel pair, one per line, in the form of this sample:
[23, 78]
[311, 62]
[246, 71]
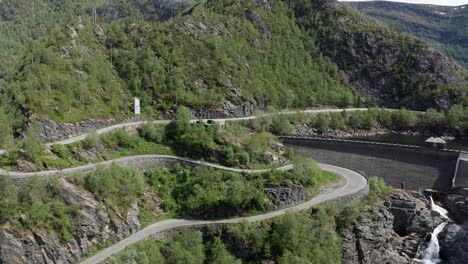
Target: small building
[136, 105]
[437, 142]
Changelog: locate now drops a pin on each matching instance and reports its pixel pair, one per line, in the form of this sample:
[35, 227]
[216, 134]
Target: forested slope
[73, 60]
[445, 27]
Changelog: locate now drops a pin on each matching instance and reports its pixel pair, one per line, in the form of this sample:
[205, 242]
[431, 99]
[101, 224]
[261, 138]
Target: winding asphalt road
[220, 120]
[128, 162]
[353, 183]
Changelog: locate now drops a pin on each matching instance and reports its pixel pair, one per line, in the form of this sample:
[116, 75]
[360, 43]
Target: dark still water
[460, 144]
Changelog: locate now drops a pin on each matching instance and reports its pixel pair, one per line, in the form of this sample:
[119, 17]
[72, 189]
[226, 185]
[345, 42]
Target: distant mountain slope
[70, 60]
[445, 27]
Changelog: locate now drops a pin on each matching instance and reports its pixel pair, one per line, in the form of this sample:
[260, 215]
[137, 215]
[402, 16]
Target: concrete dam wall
[415, 167]
[461, 179]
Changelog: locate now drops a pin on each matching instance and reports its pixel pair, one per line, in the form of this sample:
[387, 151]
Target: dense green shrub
[362, 120]
[384, 117]
[337, 121]
[281, 125]
[118, 187]
[38, 205]
[263, 121]
[33, 146]
[322, 122]
[305, 237]
[6, 130]
[186, 247]
[61, 151]
[229, 157]
[404, 119]
[119, 139]
[8, 200]
[91, 140]
[144, 252]
[205, 191]
[152, 132]
[306, 172]
[218, 254]
[433, 119]
[457, 118]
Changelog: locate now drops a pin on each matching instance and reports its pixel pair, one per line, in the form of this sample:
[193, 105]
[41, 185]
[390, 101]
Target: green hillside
[445, 27]
[74, 60]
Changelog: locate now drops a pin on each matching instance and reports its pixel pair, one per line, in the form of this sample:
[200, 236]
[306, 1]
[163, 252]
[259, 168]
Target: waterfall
[428, 251]
[439, 209]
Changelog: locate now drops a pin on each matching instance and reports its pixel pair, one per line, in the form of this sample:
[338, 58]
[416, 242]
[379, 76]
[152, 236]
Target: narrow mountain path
[353, 183]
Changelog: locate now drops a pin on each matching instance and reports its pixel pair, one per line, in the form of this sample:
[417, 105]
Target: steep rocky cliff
[94, 226]
[376, 61]
[443, 26]
[152, 9]
[391, 231]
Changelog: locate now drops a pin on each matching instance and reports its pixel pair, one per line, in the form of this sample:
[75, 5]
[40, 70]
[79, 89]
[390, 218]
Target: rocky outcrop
[93, 225]
[391, 231]
[51, 131]
[286, 194]
[231, 108]
[397, 70]
[151, 10]
[453, 239]
[456, 203]
[308, 130]
[454, 244]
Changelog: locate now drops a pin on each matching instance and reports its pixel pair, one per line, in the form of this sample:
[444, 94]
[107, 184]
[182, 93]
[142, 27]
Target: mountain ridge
[443, 26]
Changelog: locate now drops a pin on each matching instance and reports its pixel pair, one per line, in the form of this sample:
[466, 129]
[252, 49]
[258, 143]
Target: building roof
[436, 140]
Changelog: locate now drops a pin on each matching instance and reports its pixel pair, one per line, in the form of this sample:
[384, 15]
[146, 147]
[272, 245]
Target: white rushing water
[439, 209]
[428, 251]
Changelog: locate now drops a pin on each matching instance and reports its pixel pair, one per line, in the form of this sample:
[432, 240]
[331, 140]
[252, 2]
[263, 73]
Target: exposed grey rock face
[93, 225]
[231, 108]
[391, 231]
[25, 166]
[51, 131]
[374, 80]
[456, 203]
[151, 10]
[454, 238]
[382, 64]
[412, 214]
[286, 194]
[454, 244]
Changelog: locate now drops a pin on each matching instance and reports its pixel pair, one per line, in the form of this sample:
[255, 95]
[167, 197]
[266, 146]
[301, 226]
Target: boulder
[453, 242]
[391, 231]
[456, 203]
